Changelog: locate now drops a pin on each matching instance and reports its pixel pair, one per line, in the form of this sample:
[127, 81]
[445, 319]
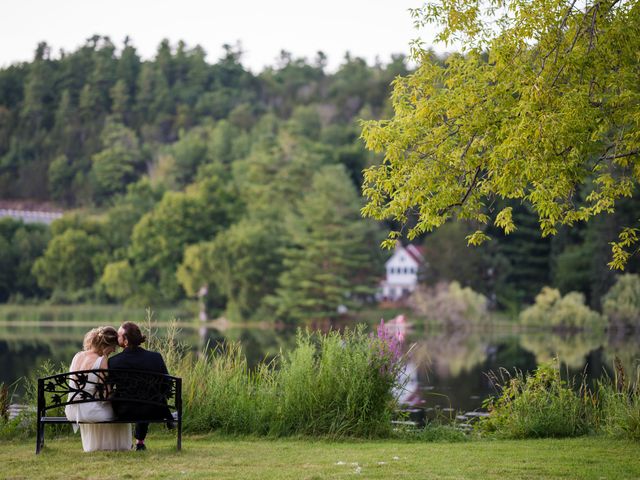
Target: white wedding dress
[99, 436]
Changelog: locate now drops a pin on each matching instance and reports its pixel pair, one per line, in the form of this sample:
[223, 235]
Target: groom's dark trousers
[137, 358]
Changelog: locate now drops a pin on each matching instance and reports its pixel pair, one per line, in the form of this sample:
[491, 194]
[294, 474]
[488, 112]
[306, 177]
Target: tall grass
[333, 384]
[620, 404]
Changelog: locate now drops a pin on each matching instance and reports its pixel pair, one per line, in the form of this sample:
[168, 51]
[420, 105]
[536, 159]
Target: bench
[150, 390]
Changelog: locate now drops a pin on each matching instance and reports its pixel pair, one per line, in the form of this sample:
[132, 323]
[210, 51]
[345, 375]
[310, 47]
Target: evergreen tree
[329, 262]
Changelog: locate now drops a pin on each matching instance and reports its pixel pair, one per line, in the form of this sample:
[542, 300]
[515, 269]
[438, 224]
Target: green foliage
[450, 304]
[568, 312]
[541, 102]
[540, 404]
[621, 304]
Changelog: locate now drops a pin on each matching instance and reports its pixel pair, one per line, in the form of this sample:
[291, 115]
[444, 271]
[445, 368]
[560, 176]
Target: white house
[402, 272]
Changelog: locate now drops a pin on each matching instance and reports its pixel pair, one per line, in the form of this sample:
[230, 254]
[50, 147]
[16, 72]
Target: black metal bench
[153, 391]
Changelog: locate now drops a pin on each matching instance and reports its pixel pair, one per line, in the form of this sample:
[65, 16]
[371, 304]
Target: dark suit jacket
[136, 358]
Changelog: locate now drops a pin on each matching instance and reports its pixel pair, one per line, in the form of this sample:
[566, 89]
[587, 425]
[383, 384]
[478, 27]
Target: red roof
[415, 252]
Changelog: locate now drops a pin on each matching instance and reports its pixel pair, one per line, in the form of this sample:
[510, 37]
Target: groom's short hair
[133, 334]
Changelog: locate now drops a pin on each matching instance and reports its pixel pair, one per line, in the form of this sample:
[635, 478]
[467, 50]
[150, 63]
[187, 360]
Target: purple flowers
[387, 345]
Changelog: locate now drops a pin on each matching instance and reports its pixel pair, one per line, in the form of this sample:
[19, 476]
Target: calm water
[446, 370]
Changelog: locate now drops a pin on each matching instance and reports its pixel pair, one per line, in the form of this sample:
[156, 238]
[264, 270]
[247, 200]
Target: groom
[134, 357]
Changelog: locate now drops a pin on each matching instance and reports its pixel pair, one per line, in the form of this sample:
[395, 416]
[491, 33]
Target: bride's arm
[74, 363]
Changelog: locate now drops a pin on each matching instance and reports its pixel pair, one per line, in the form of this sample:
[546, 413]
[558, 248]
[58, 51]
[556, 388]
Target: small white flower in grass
[396, 458]
[340, 463]
[382, 463]
[358, 470]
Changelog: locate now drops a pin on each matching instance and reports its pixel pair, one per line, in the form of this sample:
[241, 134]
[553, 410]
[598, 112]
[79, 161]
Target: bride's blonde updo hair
[98, 339]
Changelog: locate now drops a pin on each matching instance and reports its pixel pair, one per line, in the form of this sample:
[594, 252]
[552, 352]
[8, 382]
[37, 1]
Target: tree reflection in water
[572, 349]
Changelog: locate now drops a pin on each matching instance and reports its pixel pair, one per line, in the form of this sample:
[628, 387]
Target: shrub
[621, 304]
[540, 404]
[568, 312]
[449, 304]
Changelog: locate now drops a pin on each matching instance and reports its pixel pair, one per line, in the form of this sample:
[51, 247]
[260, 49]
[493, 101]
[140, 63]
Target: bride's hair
[98, 339]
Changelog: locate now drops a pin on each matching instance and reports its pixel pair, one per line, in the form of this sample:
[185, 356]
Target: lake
[446, 369]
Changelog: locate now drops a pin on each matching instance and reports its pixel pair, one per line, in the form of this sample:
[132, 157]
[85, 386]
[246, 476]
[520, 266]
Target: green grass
[220, 457]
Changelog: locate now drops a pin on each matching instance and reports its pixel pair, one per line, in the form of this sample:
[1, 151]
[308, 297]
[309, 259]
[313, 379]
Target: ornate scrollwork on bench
[154, 392]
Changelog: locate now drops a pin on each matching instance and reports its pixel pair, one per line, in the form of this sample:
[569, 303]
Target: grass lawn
[219, 457]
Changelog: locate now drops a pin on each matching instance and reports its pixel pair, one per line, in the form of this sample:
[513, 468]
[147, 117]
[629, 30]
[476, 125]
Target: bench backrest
[115, 385]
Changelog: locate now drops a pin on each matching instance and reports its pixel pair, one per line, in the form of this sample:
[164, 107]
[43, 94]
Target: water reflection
[572, 349]
[446, 368]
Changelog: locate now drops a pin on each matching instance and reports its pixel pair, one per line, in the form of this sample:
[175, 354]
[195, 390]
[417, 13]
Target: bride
[98, 344]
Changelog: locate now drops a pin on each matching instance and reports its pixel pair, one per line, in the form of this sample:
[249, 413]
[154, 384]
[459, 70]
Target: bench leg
[179, 434]
[40, 437]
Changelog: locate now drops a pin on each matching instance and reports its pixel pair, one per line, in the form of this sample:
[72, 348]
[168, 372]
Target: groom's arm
[162, 366]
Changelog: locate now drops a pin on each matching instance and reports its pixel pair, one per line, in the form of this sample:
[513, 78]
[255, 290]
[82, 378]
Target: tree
[330, 260]
[543, 100]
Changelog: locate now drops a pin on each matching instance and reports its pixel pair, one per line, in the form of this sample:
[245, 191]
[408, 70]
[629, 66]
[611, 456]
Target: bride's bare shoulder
[83, 360]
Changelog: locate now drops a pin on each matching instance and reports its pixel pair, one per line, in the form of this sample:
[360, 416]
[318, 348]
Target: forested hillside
[184, 175]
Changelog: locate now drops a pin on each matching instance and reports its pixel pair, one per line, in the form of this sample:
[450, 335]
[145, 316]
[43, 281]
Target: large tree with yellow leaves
[541, 103]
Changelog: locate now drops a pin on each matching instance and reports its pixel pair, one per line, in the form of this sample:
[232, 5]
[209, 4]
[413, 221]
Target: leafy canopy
[541, 106]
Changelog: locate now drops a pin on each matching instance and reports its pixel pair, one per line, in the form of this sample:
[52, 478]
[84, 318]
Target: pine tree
[329, 260]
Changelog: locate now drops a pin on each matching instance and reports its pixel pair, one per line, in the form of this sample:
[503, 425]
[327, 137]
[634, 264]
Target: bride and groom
[98, 344]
